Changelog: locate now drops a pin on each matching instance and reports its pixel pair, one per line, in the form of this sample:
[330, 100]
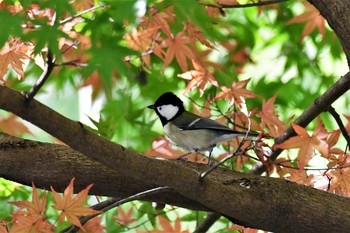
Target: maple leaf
[37, 206]
[13, 126]
[167, 227]
[93, 226]
[340, 181]
[161, 18]
[195, 34]
[177, 47]
[236, 94]
[3, 229]
[142, 42]
[29, 223]
[162, 148]
[72, 207]
[15, 54]
[313, 20]
[270, 118]
[80, 5]
[124, 218]
[199, 78]
[300, 176]
[306, 143]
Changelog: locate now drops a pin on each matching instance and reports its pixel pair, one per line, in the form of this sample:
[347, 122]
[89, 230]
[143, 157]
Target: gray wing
[190, 121]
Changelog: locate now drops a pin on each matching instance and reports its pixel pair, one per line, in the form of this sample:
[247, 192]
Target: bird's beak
[151, 106]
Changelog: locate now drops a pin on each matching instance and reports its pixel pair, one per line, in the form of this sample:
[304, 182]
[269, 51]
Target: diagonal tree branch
[320, 105]
[254, 201]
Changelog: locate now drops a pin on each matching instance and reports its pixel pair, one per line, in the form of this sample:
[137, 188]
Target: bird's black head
[168, 106]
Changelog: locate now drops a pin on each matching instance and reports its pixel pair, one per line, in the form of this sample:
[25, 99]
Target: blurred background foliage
[105, 83]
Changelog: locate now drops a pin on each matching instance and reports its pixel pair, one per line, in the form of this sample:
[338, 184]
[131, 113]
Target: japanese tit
[189, 131]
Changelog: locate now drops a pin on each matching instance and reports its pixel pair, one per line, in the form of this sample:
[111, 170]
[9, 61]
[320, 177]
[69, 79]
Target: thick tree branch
[259, 202]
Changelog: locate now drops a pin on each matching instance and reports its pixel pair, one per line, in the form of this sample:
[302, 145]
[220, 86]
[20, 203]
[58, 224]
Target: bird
[189, 131]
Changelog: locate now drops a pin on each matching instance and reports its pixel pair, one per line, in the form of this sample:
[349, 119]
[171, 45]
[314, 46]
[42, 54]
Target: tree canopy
[77, 77]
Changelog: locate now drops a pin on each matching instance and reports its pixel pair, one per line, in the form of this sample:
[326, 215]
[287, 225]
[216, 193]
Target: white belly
[191, 140]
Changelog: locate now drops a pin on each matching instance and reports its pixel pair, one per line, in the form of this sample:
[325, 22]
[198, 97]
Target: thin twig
[81, 13]
[50, 64]
[343, 130]
[117, 202]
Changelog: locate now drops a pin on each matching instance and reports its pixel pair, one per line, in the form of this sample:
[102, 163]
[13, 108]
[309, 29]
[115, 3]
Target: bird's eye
[159, 108]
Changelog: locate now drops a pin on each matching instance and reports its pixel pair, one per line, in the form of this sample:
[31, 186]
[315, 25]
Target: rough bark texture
[259, 202]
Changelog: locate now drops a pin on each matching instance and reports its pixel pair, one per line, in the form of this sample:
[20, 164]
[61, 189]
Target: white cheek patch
[168, 111]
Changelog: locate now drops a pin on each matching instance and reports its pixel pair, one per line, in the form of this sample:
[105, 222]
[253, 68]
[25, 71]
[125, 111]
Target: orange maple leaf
[199, 78]
[142, 41]
[162, 148]
[72, 207]
[306, 143]
[37, 206]
[270, 118]
[3, 229]
[13, 126]
[15, 54]
[167, 227]
[236, 94]
[312, 19]
[196, 35]
[161, 19]
[340, 181]
[28, 223]
[177, 47]
[93, 226]
[124, 218]
[80, 5]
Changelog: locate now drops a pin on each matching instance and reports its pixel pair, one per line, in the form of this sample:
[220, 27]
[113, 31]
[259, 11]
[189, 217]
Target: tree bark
[259, 202]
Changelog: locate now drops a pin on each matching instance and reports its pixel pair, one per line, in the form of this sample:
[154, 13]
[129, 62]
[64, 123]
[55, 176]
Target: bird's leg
[204, 174]
[182, 157]
[209, 158]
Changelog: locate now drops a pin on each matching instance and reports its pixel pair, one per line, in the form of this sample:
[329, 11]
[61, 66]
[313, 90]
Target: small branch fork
[114, 202]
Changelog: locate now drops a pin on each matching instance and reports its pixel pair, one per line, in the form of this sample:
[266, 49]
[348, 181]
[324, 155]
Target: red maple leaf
[72, 206]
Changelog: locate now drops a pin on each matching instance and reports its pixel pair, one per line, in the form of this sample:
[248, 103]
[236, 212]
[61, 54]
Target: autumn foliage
[217, 57]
